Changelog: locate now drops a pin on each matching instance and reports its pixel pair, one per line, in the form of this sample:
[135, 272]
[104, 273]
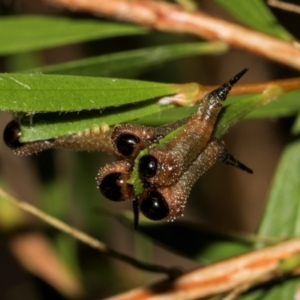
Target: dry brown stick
[87, 239]
[244, 271]
[287, 85]
[168, 17]
[285, 6]
[283, 85]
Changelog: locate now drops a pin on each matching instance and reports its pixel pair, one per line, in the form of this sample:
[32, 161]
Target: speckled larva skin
[176, 163]
[95, 139]
[177, 194]
[146, 134]
[176, 155]
[122, 167]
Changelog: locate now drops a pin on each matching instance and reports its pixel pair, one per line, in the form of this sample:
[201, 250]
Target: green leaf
[53, 125]
[284, 290]
[61, 93]
[29, 33]
[248, 106]
[236, 111]
[130, 63]
[285, 105]
[256, 15]
[281, 218]
[50, 93]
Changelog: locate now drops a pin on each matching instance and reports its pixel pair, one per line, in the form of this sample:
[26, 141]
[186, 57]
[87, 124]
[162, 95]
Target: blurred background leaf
[35, 33]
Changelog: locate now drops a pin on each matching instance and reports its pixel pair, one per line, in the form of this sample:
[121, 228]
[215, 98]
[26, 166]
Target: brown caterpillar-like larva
[158, 203]
[126, 137]
[165, 164]
[112, 181]
[129, 139]
[94, 139]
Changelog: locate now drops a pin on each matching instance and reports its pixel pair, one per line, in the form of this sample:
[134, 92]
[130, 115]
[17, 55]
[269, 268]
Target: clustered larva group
[156, 167]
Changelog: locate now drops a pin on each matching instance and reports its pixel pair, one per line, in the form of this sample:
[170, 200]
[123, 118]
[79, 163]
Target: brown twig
[83, 237]
[232, 276]
[228, 276]
[285, 6]
[168, 17]
[282, 85]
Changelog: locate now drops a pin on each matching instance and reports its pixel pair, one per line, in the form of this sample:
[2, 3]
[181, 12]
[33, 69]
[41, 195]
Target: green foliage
[69, 97]
[31, 33]
[132, 62]
[281, 217]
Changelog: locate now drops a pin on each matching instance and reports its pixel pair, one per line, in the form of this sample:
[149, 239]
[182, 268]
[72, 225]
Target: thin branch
[285, 6]
[232, 276]
[83, 237]
[246, 271]
[169, 17]
[282, 85]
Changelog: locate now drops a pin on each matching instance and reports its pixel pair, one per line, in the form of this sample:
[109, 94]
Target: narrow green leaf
[29, 33]
[285, 105]
[50, 93]
[279, 290]
[238, 110]
[282, 215]
[53, 125]
[61, 93]
[257, 15]
[129, 63]
[247, 106]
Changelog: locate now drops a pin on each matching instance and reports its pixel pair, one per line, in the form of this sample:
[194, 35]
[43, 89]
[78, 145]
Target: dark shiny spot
[154, 206]
[12, 134]
[148, 165]
[126, 143]
[111, 186]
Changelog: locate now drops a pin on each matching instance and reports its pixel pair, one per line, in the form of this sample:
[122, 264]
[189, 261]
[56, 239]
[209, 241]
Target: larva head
[160, 168]
[112, 181]
[129, 139]
[168, 202]
[12, 134]
[162, 203]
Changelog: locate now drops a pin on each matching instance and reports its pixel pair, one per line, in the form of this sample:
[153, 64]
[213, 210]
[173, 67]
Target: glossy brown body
[177, 194]
[176, 155]
[122, 167]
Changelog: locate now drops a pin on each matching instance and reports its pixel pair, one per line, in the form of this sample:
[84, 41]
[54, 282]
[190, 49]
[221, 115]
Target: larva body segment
[94, 139]
[170, 201]
[166, 163]
[129, 139]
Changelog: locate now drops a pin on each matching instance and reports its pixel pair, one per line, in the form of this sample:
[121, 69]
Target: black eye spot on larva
[148, 166]
[114, 187]
[12, 134]
[154, 206]
[126, 144]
